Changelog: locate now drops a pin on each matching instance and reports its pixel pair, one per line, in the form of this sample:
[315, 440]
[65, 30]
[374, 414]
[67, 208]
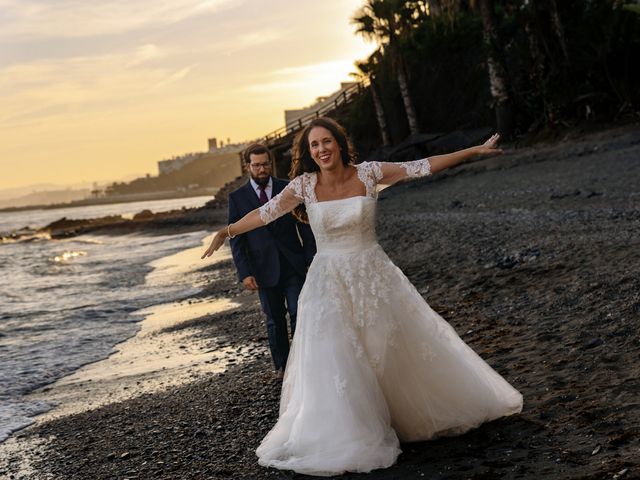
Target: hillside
[208, 170]
[46, 197]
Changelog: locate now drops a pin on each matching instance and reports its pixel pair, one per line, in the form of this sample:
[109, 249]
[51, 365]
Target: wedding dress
[371, 363]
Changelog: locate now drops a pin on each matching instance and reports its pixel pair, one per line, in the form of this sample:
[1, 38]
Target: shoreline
[532, 257]
[161, 355]
[145, 221]
[124, 199]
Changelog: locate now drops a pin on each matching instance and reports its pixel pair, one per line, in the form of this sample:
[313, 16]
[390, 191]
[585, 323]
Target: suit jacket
[257, 253]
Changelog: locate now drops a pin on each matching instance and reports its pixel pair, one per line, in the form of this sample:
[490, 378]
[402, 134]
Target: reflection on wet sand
[148, 362]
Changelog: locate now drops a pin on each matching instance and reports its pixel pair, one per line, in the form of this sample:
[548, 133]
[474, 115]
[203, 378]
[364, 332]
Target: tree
[497, 73]
[558, 29]
[367, 69]
[386, 22]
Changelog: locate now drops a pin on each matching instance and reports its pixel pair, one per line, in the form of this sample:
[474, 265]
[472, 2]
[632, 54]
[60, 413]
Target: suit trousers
[273, 301]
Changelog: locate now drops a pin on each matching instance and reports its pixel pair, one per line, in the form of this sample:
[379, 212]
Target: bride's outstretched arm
[391, 173]
[249, 222]
[441, 162]
[284, 202]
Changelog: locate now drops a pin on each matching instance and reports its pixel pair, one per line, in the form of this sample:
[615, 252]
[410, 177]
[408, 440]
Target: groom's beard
[261, 180]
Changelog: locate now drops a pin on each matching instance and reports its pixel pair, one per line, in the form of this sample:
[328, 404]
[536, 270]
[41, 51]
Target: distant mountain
[8, 193]
[17, 194]
[46, 197]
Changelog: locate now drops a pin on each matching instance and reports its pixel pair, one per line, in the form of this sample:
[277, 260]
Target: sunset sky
[100, 90]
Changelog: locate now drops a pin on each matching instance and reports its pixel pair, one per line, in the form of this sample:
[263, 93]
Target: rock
[596, 342]
[143, 215]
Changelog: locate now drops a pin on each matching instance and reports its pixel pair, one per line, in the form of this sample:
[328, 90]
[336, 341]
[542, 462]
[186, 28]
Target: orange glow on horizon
[101, 92]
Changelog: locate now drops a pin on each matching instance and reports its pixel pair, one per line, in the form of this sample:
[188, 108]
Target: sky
[99, 90]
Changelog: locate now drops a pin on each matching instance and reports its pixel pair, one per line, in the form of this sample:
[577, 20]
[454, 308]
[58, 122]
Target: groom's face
[259, 167]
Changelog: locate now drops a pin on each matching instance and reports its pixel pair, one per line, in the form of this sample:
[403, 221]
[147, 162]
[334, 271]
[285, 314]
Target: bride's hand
[216, 243]
[489, 147]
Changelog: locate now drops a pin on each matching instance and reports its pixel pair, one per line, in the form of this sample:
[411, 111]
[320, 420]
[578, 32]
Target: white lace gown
[371, 363]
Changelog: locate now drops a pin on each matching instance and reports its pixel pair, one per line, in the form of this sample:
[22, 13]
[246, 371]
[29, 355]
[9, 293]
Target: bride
[371, 364]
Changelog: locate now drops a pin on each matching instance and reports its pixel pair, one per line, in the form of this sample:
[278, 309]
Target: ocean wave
[69, 255]
[18, 415]
[9, 238]
[59, 315]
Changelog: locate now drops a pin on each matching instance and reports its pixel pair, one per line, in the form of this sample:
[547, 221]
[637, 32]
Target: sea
[66, 303]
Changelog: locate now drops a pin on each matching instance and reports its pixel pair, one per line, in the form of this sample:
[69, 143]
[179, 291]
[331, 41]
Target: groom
[272, 259]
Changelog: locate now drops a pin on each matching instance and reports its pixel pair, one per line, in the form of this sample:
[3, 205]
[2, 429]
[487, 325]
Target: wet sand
[534, 258]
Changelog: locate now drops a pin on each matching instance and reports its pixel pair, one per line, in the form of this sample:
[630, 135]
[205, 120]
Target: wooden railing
[347, 95]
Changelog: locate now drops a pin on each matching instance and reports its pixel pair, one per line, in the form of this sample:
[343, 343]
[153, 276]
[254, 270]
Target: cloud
[301, 85]
[174, 77]
[305, 77]
[69, 18]
[44, 90]
[145, 53]
[260, 37]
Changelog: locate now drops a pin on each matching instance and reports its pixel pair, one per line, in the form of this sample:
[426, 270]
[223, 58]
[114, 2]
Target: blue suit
[274, 255]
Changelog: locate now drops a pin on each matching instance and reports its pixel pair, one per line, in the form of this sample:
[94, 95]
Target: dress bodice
[345, 225]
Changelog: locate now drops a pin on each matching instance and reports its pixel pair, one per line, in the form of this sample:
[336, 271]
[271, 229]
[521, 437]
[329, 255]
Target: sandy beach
[534, 259]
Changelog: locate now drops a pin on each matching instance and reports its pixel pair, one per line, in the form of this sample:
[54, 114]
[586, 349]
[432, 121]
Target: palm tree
[497, 73]
[366, 69]
[385, 21]
[557, 27]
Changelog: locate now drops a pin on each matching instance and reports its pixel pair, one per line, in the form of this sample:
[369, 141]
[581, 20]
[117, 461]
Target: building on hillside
[174, 164]
[222, 147]
[293, 118]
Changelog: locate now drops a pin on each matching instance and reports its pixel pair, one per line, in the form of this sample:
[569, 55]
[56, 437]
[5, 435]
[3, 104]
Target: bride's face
[324, 148]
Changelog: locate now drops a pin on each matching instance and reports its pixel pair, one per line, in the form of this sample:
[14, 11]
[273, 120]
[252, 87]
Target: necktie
[263, 194]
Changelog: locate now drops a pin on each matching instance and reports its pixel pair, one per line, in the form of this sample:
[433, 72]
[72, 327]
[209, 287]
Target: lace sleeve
[389, 173]
[284, 202]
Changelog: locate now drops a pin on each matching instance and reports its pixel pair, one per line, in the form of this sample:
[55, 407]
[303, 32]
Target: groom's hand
[250, 283]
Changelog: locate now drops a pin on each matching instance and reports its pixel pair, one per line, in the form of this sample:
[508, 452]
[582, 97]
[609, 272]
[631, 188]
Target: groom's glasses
[258, 166]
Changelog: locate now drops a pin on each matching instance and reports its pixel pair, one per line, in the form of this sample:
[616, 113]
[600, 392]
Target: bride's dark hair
[301, 161]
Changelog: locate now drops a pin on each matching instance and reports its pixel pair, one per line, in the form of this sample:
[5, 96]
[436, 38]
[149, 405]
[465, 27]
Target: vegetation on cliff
[521, 66]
